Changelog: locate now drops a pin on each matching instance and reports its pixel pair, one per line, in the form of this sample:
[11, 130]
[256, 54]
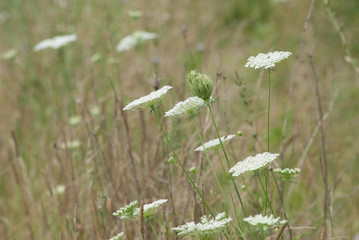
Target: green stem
[138, 229]
[284, 198]
[266, 195]
[154, 230]
[179, 162]
[218, 182]
[225, 154]
[268, 107]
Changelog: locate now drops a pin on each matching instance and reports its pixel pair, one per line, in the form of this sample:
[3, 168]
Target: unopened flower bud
[193, 170]
[172, 160]
[200, 84]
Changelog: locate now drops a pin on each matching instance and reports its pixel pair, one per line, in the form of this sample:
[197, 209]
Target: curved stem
[179, 162]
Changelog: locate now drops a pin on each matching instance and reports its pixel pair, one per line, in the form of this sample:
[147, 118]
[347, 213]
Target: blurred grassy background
[41, 91]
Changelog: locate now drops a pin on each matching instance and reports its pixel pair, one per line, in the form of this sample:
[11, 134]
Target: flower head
[253, 163]
[134, 39]
[287, 174]
[117, 237]
[132, 211]
[266, 60]
[128, 212]
[190, 107]
[208, 228]
[262, 222]
[215, 143]
[70, 144]
[55, 42]
[200, 84]
[149, 100]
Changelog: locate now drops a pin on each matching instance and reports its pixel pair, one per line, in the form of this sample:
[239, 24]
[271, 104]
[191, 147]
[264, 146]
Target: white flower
[55, 42]
[134, 14]
[263, 222]
[215, 144]
[117, 237]
[266, 60]
[208, 227]
[148, 100]
[70, 144]
[253, 163]
[74, 121]
[132, 212]
[287, 171]
[134, 39]
[190, 107]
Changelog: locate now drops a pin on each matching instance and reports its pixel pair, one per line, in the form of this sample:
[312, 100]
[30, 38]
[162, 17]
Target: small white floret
[55, 42]
[117, 237]
[215, 143]
[266, 60]
[148, 100]
[253, 163]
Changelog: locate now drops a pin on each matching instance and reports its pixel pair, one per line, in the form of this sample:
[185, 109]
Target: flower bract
[253, 163]
[267, 60]
[149, 100]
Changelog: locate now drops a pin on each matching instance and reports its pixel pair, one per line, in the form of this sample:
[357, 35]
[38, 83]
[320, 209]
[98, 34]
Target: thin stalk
[138, 229]
[179, 162]
[266, 171]
[225, 154]
[270, 205]
[217, 180]
[154, 230]
[284, 198]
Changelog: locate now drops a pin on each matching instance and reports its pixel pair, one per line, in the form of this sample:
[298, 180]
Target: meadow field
[81, 158]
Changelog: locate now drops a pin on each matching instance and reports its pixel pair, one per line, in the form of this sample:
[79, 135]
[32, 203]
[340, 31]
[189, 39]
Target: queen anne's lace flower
[191, 106]
[208, 228]
[55, 42]
[263, 222]
[70, 144]
[253, 163]
[266, 60]
[134, 39]
[215, 144]
[117, 237]
[132, 211]
[148, 100]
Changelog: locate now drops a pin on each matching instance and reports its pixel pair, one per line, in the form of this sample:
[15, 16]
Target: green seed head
[200, 84]
[193, 170]
[172, 160]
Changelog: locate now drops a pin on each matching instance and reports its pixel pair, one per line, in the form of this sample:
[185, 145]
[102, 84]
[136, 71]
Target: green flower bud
[193, 170]
[172, 160]
[200, 84]
[239, 133]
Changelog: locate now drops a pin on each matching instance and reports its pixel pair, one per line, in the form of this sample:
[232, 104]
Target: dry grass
[40, 91]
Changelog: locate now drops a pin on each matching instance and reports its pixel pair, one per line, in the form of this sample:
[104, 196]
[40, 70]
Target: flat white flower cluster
[266, 60]
[55, 42]
[117, 237]
[206, 229]
[134, 39]
[148, 100]
[189, 107]
[287, 171]
[253, 163]
[132, 211]
[263, 222]
[215, 144]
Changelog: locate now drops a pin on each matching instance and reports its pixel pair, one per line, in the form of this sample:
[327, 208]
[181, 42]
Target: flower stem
[225, 154]
[217, 180]
[179, 162]
[154, 230]
[266, 195]
[138, 229]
